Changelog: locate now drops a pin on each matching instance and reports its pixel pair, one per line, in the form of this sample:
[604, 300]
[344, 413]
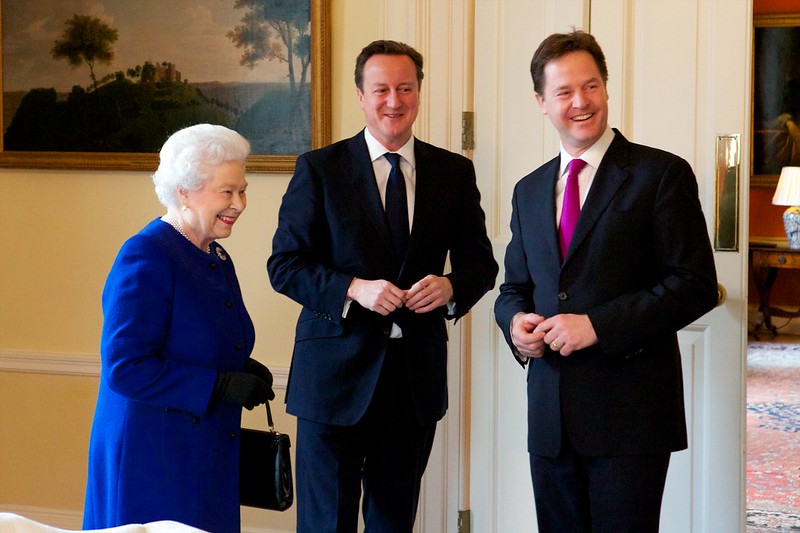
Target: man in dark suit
[595, 315]
[368, 377]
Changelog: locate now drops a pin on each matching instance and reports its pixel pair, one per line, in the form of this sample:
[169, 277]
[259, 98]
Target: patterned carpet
[773, 437]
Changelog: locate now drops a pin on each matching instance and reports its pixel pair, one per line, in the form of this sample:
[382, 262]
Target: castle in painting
[164, 72]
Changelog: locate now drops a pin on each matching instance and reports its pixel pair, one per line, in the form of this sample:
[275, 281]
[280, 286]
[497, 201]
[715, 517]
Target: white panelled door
[678, 76]
[438, 30]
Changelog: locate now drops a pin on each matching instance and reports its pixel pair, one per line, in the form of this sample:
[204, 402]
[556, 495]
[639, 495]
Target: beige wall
[59, 234]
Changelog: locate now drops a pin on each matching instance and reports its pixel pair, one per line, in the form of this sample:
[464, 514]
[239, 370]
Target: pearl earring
[184, 208]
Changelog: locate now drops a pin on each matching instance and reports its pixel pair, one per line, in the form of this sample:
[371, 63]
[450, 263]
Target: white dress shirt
[593, 156]
[382, 167]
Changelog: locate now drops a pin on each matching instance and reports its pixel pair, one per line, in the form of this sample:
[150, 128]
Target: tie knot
[575, 166]
[393, 158]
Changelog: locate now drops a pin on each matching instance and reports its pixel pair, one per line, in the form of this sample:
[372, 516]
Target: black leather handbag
[265, 468]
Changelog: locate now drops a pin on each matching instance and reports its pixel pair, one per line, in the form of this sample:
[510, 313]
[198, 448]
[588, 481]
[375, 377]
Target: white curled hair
[190, 154]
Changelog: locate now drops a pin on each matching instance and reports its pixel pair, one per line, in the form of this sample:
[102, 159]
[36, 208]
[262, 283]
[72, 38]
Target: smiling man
[363, 233]
[609, 257]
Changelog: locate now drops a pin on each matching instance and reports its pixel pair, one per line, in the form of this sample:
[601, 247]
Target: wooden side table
[765, 262]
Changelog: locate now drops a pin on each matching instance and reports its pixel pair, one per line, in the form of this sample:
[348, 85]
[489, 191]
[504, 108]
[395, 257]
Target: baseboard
[252, 519]
[67, 364]
[258, 521]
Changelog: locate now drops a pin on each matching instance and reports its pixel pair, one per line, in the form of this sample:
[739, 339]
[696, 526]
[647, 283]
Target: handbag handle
[270, 423]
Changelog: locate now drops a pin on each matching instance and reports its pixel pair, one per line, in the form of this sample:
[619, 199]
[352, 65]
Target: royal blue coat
[160, 447]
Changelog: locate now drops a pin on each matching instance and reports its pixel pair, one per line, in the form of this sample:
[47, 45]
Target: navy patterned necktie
[397, 206]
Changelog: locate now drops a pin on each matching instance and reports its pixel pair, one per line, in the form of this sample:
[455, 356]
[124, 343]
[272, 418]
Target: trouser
[385, 453]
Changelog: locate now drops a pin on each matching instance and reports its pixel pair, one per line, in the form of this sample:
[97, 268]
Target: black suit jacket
[640, 265]
[332, 228]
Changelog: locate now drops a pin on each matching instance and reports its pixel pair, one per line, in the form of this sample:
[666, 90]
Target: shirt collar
[376, 149]
[593, 155]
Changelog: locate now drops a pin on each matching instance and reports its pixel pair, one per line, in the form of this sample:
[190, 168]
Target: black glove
[260, 371]
[242, 388]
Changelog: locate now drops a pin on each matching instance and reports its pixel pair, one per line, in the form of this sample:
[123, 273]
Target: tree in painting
[134, 108]
[86, 40]
[275, 30]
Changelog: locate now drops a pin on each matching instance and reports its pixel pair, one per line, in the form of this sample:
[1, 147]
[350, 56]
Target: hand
[567, 333]
[527, 341]
[429, 293]
[241, 388]
[379, 295]
[251, 366]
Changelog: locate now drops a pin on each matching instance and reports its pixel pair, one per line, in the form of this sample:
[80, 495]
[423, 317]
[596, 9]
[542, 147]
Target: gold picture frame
[318, 130]
[776, 106]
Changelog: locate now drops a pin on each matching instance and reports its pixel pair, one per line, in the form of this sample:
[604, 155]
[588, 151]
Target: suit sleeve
[294, 268]
[516, 291]
[685, 284]
[473, 268]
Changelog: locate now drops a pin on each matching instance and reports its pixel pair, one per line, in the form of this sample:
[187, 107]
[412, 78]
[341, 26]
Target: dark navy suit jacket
[331, 229]
[640, 265]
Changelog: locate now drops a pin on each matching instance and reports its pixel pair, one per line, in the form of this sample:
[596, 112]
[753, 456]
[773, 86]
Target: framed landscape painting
[101, 85]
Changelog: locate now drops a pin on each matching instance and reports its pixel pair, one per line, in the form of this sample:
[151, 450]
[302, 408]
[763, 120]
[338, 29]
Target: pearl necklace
[177, 225]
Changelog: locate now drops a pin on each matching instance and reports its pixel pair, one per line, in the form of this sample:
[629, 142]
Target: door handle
[722, 294]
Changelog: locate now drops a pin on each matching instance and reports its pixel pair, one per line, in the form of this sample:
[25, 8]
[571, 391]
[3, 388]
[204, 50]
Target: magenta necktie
[571, 207]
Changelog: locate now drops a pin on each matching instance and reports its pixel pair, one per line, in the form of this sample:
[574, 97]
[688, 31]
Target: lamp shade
[788, 190]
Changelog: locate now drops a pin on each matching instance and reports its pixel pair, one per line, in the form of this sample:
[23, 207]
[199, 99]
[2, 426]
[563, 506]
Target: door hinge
[467, 130]
[464, 521]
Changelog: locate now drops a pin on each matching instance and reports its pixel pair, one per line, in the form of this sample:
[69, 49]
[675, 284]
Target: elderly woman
[175, 349]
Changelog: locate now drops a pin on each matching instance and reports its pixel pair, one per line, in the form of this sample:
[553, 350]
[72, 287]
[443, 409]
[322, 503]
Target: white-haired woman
[175, 350]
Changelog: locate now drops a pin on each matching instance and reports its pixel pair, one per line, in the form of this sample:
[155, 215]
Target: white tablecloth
[13, 523]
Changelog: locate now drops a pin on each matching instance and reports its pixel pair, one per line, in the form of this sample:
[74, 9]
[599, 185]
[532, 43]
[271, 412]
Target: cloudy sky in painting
[188, 33]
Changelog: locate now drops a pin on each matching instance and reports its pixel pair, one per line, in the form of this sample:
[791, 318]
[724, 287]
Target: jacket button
[232, 434]
[238, 346]
[213, 266]
[562, 296]
[195, 420]
[229, 305]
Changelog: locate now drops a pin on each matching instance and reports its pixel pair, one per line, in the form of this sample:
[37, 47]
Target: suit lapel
[426, 191]
[365, 190]
[362, 176]
[542, 200]
[607, 181]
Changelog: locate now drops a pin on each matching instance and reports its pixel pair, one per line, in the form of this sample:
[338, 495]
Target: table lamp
[788, 193]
